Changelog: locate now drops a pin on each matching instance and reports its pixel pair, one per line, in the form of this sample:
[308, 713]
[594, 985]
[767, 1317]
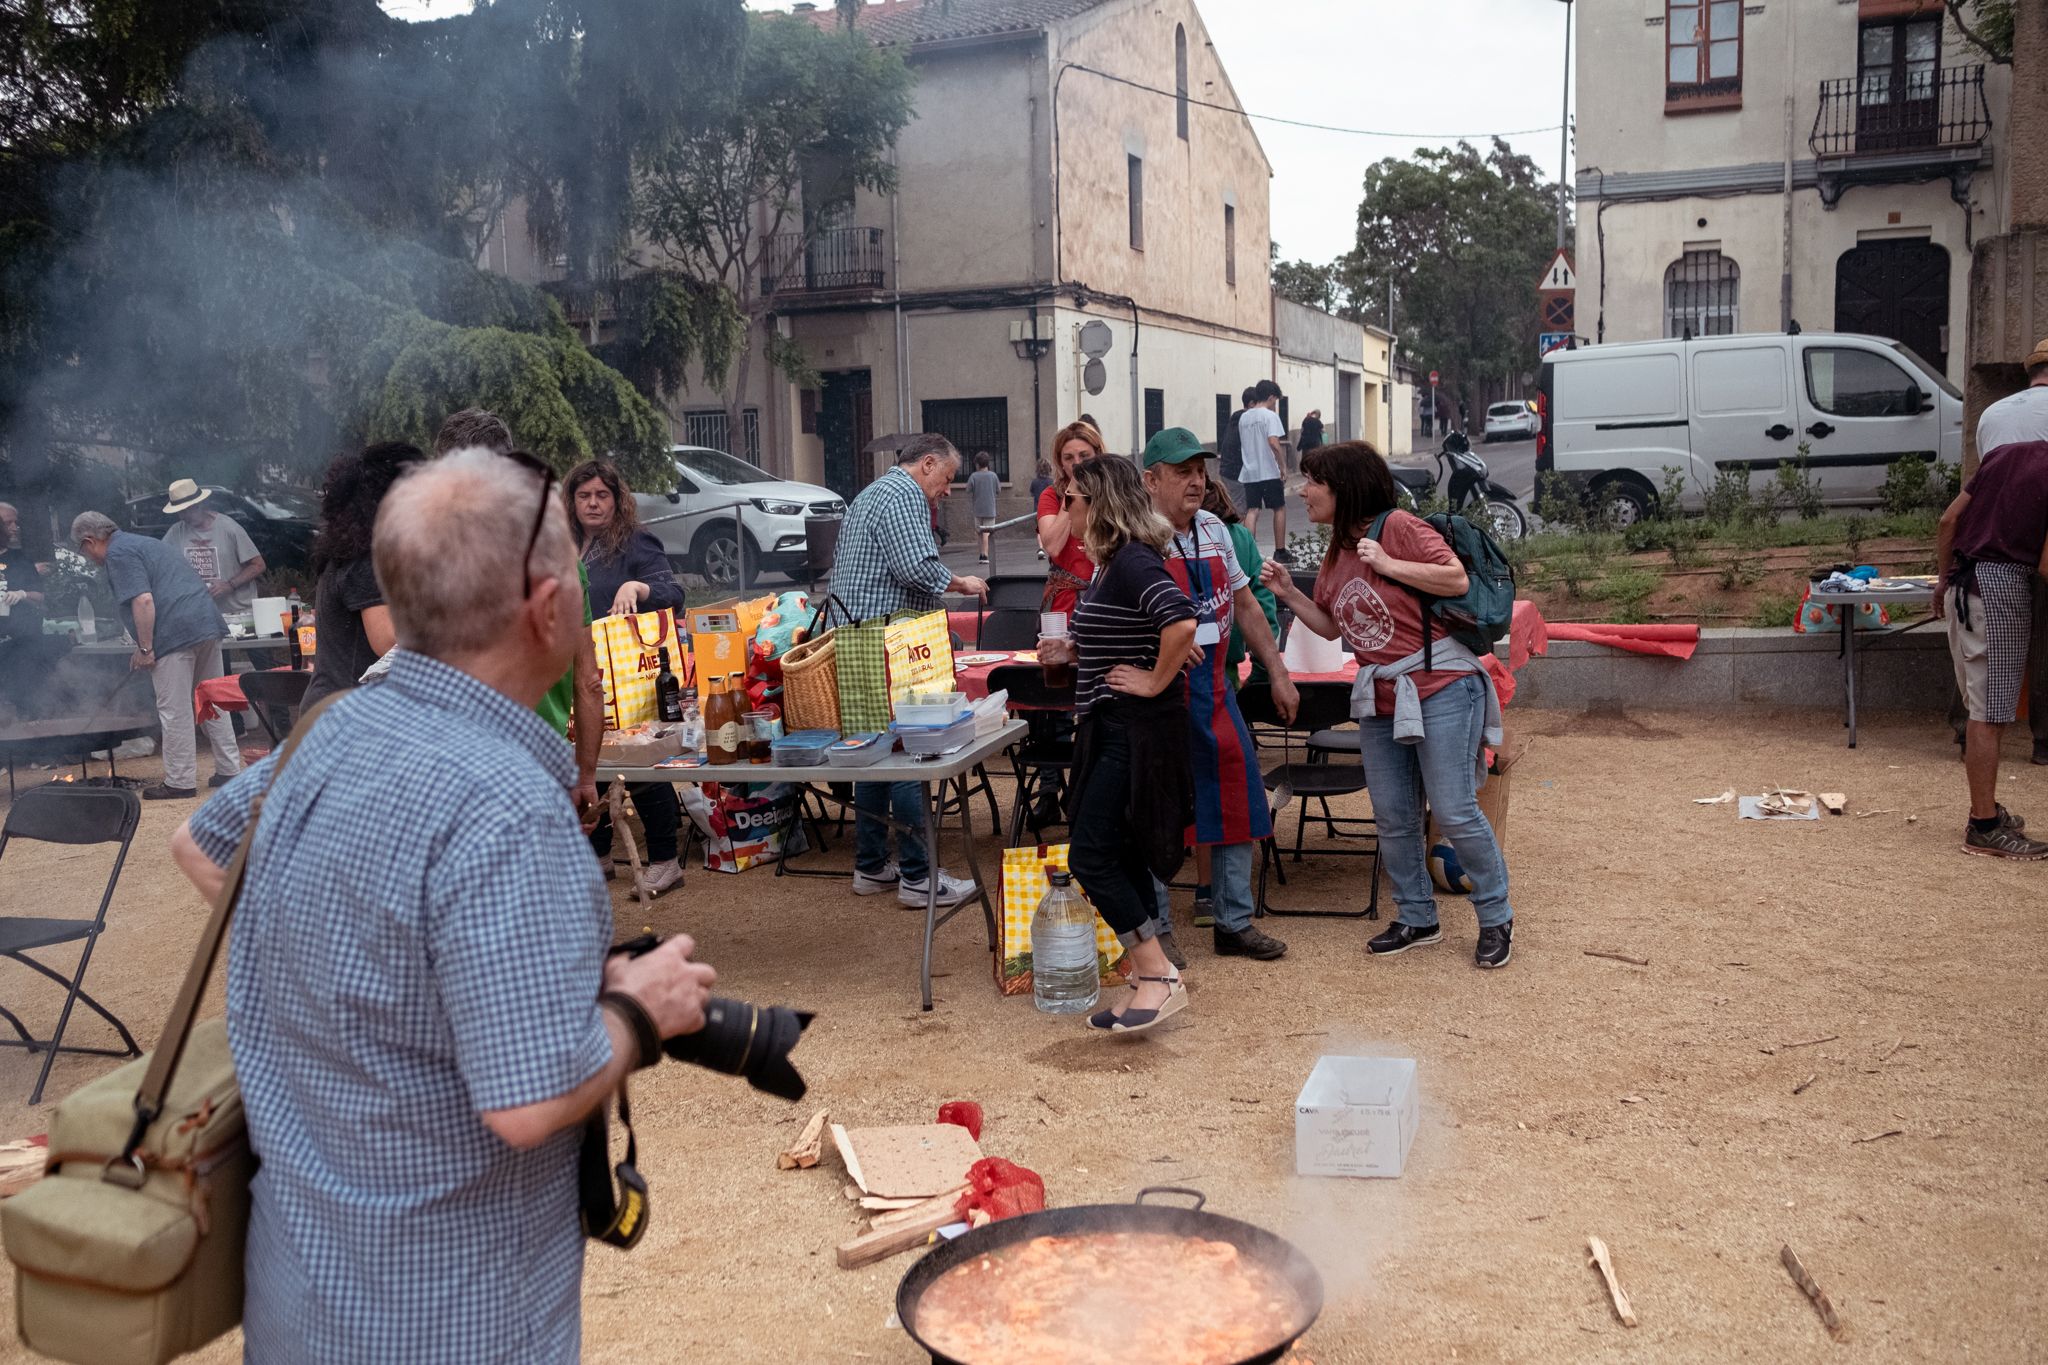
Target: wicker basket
[810, 685]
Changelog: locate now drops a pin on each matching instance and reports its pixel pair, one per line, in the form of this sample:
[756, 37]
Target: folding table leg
[988, 910]
[928, 800]
[1849, 667]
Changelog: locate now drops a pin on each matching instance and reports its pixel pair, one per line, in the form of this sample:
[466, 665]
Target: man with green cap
[1231, 810]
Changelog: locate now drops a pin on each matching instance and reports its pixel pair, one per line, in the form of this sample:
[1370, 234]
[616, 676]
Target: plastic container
[804, 749]
[1065, 975]
[859, 751]
[935, 739]
[931, 708]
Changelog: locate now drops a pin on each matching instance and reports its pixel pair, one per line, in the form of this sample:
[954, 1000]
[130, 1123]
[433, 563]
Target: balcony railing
[836, 259]
[1877, 114]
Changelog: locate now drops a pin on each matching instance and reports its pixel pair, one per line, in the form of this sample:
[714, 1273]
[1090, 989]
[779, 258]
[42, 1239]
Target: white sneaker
[952, 890]
[885, 880]
[659, 877]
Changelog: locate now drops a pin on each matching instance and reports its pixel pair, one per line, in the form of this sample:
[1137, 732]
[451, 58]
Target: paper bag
[722, 637]
[629, 657]
[1024, 886]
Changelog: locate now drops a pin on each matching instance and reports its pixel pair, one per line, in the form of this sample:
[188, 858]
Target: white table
[932, 775]
[1919, 595]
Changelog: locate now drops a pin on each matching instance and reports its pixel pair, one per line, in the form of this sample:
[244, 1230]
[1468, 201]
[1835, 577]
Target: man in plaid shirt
[888, 561]
[419, 1001]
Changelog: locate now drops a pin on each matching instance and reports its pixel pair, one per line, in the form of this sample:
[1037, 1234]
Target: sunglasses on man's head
[533, 464]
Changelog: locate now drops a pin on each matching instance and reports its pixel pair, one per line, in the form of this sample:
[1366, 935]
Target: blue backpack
[1481, 616]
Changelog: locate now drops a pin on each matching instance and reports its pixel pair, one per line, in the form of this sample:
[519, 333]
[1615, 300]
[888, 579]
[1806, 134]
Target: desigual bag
[129, 1250]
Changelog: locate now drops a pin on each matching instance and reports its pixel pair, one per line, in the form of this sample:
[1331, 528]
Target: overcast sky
[1419, 71]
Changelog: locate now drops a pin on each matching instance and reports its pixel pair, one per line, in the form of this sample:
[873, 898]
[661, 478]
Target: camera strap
[616, 1220]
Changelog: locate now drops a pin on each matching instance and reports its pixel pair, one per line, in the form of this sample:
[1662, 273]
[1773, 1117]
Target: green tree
[1986, 25]
[775, 158]
[1315, 286]
[1462, 238]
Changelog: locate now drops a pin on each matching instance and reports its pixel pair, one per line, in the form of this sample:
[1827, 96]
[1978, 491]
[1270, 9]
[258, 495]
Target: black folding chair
[274, 693]
[1014, 592]
[1042, 759]
[1010, 628]
[1323, 705]
[59, 814]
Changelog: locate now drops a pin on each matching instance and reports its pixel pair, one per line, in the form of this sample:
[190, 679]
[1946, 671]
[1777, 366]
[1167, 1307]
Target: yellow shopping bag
[629, 656]
[920, 652]
[1024, 886]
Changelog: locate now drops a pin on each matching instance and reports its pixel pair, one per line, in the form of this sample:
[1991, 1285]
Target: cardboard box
[721, 637]
[1355, 1116]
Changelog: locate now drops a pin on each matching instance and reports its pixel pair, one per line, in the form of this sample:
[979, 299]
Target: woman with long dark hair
[1071, 568]
[1133, 632]
[348, 605]
[628, 575]
[1421, 730]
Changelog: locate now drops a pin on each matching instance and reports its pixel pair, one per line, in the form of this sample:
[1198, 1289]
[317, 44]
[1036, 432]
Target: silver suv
[723, 508]
[1512, 421]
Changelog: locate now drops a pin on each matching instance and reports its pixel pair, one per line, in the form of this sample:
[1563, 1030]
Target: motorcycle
[1468, 489]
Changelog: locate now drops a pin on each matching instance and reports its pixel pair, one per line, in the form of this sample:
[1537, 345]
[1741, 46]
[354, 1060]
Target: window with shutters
[1702, 55]
[1134, 175]
[973, 425]
[1230, 244]
[1180, 81]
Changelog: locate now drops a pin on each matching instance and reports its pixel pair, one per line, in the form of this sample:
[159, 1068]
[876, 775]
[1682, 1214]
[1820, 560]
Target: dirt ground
[1724, 586]
[1863, 958]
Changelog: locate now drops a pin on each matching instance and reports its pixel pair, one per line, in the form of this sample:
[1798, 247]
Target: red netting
[1002, 1189]
[965, 1113]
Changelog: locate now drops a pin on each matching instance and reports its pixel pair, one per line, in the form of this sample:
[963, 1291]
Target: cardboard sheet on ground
[913, 1162]
[1780, 805]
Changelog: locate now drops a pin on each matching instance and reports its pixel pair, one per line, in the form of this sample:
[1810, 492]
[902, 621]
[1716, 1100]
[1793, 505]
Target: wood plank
[1600, 1258]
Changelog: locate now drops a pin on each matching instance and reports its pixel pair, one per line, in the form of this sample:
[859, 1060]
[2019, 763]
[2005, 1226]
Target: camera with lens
[739, 1038]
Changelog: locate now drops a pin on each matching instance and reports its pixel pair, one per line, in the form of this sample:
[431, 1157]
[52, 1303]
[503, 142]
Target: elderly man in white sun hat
[215, 545]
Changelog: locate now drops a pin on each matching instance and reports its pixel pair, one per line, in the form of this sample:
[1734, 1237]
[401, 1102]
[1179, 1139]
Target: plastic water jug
[1065, 977]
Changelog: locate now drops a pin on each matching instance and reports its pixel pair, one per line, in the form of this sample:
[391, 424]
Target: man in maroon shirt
[1992, 544]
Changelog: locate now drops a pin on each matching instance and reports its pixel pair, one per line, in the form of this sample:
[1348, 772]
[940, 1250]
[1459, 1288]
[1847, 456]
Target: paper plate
[977, 660]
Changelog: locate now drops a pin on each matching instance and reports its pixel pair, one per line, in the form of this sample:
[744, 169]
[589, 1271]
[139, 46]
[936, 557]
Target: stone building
[1745, 165]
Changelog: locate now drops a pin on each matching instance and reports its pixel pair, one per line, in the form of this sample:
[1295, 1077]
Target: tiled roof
[923, 21]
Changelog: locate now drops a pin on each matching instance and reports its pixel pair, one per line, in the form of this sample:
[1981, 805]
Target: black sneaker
[1282, 555]
[2002, 841]
[2016, 823]
[1399, 938]
[221, 779]
[2041, 752]
[1251, 942]
[165, 792]
[1496, 945]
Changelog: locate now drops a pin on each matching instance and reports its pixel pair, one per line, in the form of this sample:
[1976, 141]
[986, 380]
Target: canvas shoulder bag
[129, 1250]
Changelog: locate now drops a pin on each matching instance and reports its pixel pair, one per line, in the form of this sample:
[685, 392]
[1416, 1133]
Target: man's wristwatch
[640, 1021]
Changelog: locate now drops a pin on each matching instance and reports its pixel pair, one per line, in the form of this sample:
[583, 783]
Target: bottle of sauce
[723, 722]
[308, 638]
[668, 693]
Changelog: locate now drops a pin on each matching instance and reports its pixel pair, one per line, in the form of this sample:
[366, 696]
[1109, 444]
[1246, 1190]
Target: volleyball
[1447, 872]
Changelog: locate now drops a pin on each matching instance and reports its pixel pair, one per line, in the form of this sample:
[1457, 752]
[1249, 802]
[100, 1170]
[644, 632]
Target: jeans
[1104, 853]
[1445, 765]
[905, 800]
[1230, 890]
[661, 816]
[174, 677]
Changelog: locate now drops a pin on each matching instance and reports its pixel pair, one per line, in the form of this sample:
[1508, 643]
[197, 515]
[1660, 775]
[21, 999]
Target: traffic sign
[1559, 273]
[1432, 376]
[1555, 310]
[1552, 341]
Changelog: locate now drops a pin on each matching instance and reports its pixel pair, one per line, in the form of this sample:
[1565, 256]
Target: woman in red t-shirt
[1369, 593]
[1070, 566]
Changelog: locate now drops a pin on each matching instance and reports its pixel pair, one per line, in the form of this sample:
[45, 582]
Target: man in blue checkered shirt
[417, 961]
[888, 561]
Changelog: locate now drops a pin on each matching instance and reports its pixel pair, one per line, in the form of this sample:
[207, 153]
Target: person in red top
[1071, 568]
[1420, 730]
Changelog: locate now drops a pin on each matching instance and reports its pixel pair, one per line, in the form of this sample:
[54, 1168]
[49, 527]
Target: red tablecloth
[216, 695]
[1666, 641]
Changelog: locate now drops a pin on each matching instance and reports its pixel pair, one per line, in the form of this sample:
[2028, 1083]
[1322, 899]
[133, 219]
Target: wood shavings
[1725, 798]
[1879, 1137]
[1618, 957]
[1800, 1089]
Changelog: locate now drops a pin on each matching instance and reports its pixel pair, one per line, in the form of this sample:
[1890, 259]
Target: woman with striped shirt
[1133, 632]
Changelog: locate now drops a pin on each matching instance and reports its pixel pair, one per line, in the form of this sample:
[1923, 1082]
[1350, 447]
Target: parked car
[280, 520]
[1614, 417]
[1512, 421]
[723, 510]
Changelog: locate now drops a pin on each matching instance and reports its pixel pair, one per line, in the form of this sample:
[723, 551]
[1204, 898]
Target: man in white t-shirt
[1263, 440]
[2023, 417]
[215, 545]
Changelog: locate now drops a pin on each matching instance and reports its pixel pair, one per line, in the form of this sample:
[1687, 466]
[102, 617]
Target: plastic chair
[1323, 705]
[1009, 628]
[56, 813]
[1043, 758]
[275, 692]
[1013, 592]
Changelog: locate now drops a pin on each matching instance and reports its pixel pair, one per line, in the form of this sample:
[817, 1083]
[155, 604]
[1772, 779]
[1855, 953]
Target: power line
[1303, 123]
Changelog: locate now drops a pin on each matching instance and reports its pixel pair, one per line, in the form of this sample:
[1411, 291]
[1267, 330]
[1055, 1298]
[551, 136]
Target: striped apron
[1230, 792]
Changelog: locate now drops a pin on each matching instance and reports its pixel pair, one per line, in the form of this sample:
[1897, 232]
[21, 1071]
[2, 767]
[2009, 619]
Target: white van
[1614, 417]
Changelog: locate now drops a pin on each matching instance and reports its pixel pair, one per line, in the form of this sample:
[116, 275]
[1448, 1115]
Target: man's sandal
[1138, 1021]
